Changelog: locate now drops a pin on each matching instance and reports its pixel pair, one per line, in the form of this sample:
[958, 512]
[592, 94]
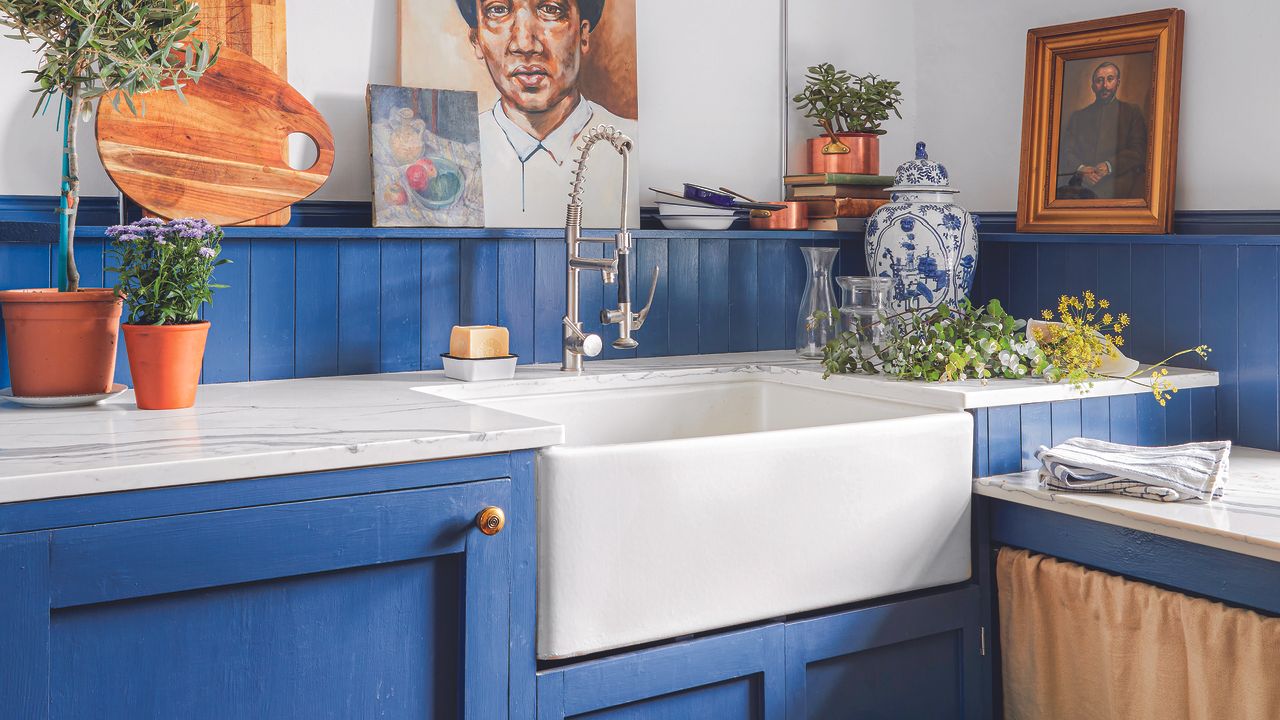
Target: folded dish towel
[1168, 474]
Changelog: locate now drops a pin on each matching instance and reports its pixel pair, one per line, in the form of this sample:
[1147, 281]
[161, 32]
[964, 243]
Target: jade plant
[840, 101]
[92, 48]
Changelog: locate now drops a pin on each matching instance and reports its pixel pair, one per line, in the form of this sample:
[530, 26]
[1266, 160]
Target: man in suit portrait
[1104, 145]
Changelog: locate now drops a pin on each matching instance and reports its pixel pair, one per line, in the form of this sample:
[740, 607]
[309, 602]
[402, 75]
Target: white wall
[710, 95]
[861, 37]
[711, 100]
[972, 58]
[29, 159]
[718, 125]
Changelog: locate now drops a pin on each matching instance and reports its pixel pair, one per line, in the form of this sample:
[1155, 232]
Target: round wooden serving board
[217, 155]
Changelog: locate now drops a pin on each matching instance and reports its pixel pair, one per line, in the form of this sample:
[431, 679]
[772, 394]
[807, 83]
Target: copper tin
[794, 217]
[863, 157]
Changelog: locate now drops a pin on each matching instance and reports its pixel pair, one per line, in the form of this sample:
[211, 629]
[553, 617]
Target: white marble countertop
[254, 429]
[1246, 519]
[975, 394]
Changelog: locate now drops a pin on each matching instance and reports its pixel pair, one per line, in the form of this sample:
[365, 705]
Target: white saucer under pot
[63, 400]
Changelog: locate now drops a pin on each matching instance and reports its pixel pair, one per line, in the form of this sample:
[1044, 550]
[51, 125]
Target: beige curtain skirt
[1079, 643]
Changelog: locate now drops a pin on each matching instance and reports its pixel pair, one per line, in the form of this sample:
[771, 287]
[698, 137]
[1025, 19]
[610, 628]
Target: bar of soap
[479, 341]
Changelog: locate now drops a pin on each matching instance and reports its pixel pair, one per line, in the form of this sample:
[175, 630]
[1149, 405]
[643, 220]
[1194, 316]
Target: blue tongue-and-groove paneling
[1180, 291]
[307, 301]
[325, 301]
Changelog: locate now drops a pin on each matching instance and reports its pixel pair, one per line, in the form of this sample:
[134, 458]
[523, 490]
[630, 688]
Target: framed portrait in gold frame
[1100, 125]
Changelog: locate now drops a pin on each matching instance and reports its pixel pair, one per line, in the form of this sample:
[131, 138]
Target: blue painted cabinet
[732, 676]
[919, 657]
[915, 658]
[384, 604]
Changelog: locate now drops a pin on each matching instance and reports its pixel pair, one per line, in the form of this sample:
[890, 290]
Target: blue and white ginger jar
[923, 242]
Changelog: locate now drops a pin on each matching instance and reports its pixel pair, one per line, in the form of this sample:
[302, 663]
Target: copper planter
[863, 157]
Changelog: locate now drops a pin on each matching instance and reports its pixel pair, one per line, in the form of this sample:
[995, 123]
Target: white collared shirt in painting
[526, 180]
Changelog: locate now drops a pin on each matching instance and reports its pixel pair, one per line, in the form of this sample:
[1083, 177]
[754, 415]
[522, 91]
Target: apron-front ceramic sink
[680, 504]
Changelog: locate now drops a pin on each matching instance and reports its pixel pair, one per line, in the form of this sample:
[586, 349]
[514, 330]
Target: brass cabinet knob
[491, 520]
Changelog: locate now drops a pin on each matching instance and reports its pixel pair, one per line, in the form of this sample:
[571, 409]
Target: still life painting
[425, 149]
[546, 72]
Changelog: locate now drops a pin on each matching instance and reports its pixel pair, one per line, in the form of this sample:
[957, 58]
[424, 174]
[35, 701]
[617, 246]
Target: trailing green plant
[941, 344]
[89, 48]
[848, 102]
[983, 342]
[165, 268]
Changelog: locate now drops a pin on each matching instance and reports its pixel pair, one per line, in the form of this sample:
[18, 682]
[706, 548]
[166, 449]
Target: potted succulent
[164, 272]
[849, 109]
[62, 341]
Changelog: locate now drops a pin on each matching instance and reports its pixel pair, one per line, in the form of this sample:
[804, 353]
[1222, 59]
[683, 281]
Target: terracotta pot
[61, 343]
[165, 362]
[794, 217]
[863, 157]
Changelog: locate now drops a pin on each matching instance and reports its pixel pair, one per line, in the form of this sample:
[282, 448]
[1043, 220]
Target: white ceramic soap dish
[476, 369]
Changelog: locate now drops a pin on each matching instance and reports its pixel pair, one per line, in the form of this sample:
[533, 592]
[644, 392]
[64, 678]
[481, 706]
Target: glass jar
[812, 333]
[864, 309]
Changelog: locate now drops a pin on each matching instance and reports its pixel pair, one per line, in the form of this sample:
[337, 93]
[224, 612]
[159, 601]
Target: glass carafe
[864, 309]
[813, 333]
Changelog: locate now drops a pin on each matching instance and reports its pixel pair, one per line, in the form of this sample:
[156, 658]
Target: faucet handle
[580, 343]
[644, 312]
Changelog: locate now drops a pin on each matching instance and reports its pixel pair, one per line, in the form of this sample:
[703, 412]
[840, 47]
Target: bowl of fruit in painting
[434, 182]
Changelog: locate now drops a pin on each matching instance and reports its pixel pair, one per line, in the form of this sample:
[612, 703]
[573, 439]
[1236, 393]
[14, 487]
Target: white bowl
[697, 222]
[666, 208]
[477, 369]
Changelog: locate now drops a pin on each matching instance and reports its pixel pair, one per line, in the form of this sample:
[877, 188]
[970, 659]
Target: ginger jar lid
[922, 175]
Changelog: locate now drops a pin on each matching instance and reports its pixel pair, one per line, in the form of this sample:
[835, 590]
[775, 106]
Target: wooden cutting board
[257, 29]
[254, 27]
[217, 155]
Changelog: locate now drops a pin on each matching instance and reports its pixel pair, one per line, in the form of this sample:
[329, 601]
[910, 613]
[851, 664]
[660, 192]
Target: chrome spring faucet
[577, 342]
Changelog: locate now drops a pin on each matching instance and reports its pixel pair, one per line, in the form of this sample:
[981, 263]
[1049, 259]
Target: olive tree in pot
[849, 109]
[63, 341]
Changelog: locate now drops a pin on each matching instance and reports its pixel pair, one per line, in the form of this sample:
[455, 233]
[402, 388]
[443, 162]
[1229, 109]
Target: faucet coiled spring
[608, 133]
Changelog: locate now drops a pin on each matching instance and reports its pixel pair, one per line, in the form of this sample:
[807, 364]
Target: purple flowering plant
[165, 269]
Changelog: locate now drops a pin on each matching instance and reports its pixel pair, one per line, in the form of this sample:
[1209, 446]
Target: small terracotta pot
[863, 157]
[61, 343]
[165, 362]
[794, 217]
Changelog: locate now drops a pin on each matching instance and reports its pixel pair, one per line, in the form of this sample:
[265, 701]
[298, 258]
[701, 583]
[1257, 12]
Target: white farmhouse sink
[680, 504]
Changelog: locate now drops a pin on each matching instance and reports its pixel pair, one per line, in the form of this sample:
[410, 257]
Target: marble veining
[243, 430]
[1245, 520]
[254, 429]
[964, 395]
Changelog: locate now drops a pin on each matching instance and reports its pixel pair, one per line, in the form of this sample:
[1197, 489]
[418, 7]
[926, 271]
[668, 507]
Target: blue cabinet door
[390, 605]
[915, 658]
[726, 677]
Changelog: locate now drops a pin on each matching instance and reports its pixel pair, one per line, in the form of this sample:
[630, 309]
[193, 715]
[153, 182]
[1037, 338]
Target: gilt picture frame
[1100, 125]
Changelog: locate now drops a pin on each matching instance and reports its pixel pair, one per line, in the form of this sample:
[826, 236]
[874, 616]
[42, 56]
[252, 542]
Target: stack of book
[838, 201]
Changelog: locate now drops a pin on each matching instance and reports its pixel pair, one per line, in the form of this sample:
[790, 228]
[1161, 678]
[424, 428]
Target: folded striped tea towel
[1168, 474]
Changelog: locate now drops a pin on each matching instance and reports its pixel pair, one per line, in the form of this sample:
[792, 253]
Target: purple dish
[705, 194]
